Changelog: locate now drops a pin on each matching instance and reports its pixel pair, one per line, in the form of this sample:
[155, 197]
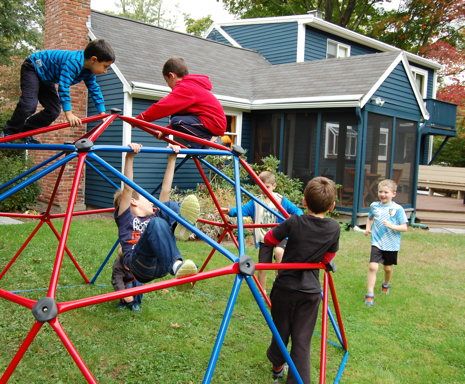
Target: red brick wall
[65, 28]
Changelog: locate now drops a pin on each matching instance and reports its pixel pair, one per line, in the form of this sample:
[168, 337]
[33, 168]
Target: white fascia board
[308, 105]
[151, 90]
[414, 86]
[381, 80]
[126, 86]
[267, 20]
[231, 41]
[305, 100]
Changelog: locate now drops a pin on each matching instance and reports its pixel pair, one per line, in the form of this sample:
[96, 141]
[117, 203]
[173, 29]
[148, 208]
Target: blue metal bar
[163, 207]
[37, 176]
[101, 174]
[243, 190]
[31, 170]
[342, 366]
[240, 221]
[165, 150]
[92, 281]
[223, 328]
[264, 309]
[334, 324]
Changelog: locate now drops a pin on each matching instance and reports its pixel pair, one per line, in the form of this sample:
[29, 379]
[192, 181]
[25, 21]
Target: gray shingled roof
[142, 49]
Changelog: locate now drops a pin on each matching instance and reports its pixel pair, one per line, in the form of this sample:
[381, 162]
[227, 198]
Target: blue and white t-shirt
[383, 237]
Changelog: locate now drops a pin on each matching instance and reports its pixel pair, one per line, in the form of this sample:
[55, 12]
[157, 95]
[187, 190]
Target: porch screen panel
[266, 136]
[338, 151]
[298, 150]
[378, 154]
[404, 160]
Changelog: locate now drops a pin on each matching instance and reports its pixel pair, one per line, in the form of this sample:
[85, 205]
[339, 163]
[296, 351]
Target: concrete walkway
[7, 220]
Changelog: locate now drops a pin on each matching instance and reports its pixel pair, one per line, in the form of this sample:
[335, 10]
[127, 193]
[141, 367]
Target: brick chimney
[65, 28]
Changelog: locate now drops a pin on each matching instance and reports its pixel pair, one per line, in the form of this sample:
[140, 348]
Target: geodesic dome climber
[85, 151]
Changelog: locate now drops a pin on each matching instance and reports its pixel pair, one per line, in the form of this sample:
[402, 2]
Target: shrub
[13, 163]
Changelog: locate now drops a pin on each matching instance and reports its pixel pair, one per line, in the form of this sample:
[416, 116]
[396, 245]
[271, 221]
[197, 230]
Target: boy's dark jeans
[33, 91]
[294, 314]
[192, 126]
[155, 252]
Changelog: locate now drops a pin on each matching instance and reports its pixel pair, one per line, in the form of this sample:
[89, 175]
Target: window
[332, 138]
[383, 144]
[421, 79]
[230, 136]
[336, 50]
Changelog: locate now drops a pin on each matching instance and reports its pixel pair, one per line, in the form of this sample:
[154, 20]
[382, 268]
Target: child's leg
[50, 100]
[192, 126]
[371, 278]
[155, 252]
[278, 254]
[388, 270]
[28, 100]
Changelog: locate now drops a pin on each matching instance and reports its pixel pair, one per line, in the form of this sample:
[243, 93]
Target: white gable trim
[401, 58]
[231, 41]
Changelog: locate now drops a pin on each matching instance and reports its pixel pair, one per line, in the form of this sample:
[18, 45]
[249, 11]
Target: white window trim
[338, 44]
[384, 132]
[334, 128]
[238, 116]
[424, 73]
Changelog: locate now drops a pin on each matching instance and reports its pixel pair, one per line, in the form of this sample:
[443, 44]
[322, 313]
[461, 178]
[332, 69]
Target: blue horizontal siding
[216, 36]
[277, 42]
[316, 43]
[399, 96]
[98, 192]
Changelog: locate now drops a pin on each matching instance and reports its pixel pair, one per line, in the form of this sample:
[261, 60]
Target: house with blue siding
[323, 99]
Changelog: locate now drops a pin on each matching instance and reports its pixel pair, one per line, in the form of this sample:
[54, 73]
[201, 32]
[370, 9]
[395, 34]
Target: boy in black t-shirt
[296, 294]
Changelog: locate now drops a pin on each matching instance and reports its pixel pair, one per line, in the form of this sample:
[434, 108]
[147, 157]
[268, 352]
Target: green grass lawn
[414, 335]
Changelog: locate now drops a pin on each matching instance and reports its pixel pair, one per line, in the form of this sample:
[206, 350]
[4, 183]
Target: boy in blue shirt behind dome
[386, 220]
[42, 70]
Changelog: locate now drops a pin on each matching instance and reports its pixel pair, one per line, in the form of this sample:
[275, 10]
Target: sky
[175, 9]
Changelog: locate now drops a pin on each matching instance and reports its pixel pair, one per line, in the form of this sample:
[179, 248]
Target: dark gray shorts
[265, 252]
[383, 257]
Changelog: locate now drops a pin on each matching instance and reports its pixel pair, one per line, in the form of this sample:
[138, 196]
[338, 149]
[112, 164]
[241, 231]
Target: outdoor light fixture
[378, 101]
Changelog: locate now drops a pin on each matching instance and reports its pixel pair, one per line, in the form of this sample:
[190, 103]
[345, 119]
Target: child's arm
[169, 175]
[368, 226]
[248, 210]
[291, 208]
[126, 195]
[396, 227]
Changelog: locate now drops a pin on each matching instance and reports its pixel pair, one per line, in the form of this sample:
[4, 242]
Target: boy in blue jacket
[39, 74]
[260, 215]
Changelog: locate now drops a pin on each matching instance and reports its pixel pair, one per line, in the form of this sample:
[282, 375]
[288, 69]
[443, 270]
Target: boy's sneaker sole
[190, 211]
[187, 268]
[369, 300]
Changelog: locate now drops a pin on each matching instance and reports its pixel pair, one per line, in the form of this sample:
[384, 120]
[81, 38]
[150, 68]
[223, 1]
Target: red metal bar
[13, 297]
[68, 252]
[248, 226]
[21, 249]
[338, 311]
[269, 266]
[55, 324]
[324, 330]
[66, 225]
[168, 131]
[260, 183]
[83, 213]
[21, 351]
[97, 131]
[20, 215]
[212, 252]
[262, 291]
[84, 302]
[50, 128]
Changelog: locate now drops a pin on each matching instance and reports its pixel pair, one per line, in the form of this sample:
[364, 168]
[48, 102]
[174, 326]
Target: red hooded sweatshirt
[190, 96]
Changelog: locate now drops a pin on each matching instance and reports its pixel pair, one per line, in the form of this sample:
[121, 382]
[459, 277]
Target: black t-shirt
[309, 238]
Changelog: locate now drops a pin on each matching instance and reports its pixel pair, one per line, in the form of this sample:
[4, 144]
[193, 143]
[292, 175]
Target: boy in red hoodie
[193, 108]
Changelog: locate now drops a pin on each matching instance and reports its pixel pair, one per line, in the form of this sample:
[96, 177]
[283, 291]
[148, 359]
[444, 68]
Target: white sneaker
[190, 211]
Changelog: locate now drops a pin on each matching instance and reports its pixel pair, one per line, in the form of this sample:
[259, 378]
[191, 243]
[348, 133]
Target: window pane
[331, 51]
[342, 51]
[404, 160]
[340, 127]
[299, 138]
[377, 156]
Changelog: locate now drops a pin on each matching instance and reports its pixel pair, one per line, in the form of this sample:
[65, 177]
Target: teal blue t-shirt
[383, 237]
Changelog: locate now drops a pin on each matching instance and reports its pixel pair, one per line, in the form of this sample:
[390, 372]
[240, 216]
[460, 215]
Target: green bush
[13, 163]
